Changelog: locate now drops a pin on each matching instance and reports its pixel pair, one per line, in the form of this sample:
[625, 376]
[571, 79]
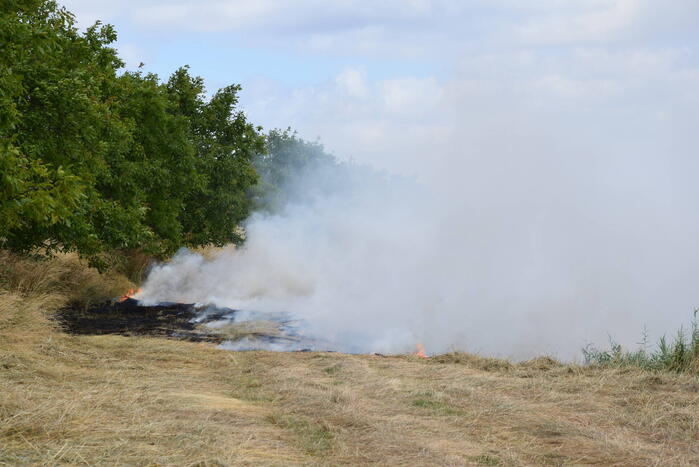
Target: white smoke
[555, 144]
[521, 257]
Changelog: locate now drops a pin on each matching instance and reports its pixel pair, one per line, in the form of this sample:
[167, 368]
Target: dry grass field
[113, 400]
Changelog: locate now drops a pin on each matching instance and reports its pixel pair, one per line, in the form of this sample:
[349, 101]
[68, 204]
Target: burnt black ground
[186, 321]
[128, 318]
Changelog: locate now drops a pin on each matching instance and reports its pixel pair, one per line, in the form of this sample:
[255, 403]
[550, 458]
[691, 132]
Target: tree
[225, 144]
[51, 125]
[290, 169]
[95, 159]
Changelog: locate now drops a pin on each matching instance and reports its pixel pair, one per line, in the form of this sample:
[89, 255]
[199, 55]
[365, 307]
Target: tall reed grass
[681, 354]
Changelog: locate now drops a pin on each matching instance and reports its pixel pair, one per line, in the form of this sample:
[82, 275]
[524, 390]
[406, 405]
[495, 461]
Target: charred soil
[129, 318]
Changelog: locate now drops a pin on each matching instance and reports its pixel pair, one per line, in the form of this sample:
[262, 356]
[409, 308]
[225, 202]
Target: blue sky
[223, 58]
[237, 54]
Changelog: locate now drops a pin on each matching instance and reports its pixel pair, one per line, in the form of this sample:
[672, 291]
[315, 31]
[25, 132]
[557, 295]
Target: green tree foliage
[49, 76]
[96, 160]
[291, 169]
[226, 144]
[294, 171]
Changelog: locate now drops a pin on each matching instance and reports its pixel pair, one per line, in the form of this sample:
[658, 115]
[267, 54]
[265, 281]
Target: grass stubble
[115, 400]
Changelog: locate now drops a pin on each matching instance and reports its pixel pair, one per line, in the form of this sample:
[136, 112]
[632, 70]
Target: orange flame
[420, 351]
[129, 294]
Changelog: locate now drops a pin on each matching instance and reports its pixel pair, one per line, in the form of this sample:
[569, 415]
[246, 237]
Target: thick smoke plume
[506, 265]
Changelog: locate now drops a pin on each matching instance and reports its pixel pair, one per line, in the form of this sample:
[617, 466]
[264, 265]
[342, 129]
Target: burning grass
[110, 400]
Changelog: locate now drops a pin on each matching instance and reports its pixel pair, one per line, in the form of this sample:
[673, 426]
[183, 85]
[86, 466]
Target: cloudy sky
[406, 84]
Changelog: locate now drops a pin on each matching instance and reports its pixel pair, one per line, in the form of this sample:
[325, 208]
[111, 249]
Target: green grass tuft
[485, 459]
[313, 437]
[681, 355]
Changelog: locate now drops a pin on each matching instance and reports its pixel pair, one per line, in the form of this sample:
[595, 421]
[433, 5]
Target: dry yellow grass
[112, 400]
[65, 276]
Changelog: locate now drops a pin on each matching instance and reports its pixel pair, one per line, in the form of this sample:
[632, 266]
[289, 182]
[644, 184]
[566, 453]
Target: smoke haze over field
[516, 256]
[552, 144]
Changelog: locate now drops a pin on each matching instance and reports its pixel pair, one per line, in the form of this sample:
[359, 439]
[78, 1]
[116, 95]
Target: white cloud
[394, 122]
[599, 25]
[406, 97]
[392, 26]
[352, 82]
